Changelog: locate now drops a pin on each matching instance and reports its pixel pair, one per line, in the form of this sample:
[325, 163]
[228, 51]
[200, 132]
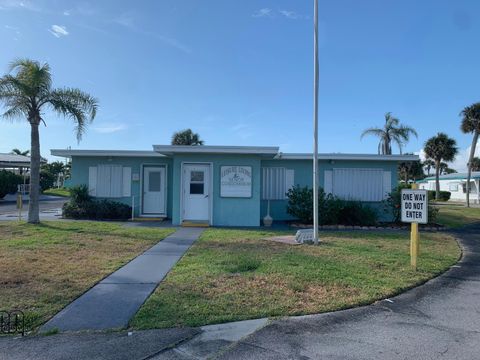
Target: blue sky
[240, 72]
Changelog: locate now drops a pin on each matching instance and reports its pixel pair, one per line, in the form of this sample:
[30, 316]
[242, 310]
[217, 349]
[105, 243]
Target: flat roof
[113, 153]
[341, 156]
[14, 160]
[213, 149]
[265, 151]
[454, 176]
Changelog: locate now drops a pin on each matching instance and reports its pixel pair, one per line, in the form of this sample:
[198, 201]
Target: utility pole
[315, 122]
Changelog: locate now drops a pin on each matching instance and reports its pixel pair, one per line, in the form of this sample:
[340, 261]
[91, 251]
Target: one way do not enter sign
[414, 206]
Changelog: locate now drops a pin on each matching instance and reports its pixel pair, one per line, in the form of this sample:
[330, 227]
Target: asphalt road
[439, 320]
[9, 209]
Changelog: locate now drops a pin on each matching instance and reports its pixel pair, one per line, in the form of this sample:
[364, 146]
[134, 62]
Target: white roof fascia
[111, 153]
[339, 156]
[208, 149]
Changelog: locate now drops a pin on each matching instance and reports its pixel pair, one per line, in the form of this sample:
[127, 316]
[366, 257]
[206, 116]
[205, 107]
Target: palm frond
[75, 104]
[375, 131]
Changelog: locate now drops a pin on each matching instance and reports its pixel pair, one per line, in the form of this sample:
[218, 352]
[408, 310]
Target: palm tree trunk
[33, 204]
[470, 161]
[437, 180]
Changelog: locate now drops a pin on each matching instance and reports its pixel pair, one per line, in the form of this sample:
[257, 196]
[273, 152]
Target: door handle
[206, 195]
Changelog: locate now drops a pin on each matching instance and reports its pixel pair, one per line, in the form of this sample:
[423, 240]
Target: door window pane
[154, 181]
[196, 176]
[196, 188]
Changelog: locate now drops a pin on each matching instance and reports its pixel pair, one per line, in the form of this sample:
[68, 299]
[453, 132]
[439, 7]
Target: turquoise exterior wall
[303, 176]
[81, 164]
[225, 211]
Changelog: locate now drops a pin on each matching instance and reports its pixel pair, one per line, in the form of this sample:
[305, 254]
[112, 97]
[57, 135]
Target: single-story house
[225, 185]
[456, 184]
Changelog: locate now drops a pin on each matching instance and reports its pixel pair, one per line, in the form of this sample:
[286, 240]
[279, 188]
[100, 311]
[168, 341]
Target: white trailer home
[456, 184]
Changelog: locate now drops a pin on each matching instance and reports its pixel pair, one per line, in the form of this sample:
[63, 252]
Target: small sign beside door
[236, 181]
[414, 206]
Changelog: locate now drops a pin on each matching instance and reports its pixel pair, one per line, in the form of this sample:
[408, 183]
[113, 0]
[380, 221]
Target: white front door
[153, 190]
[196, 192]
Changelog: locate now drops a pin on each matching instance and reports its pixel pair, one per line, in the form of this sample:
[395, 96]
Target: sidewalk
[113, 301]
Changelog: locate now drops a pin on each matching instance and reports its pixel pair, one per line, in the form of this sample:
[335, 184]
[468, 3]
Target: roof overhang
[15, 160]
[108, 153]
[270, 151]
[339, 156]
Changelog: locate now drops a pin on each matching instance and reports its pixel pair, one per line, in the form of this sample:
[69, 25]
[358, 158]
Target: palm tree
[440, 148]
[475, 164]
[20, 152]
[26, 92]
[392, 131]
[186, 137]
[428, 164]
[471, 124]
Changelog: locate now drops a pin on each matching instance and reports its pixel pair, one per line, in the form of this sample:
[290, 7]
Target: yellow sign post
[414, 240]
[414, 211]
[19, 206]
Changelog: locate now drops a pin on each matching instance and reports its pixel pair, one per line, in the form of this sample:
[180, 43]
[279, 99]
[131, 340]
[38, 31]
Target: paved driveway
[440, 320]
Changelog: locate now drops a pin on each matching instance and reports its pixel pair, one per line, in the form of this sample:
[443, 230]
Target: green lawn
[58, 192]
[44, 267]
[457, 215]
[232, 275]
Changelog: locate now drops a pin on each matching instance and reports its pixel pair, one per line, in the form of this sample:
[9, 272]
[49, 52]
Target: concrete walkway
[113, 301]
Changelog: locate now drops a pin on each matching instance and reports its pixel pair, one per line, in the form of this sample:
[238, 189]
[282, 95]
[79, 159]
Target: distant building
[456, 184]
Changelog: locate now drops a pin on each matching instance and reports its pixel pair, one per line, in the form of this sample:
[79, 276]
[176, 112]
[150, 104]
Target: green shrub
[47, 180]
[83, 206]
[331, 209]
[444, 195]
[393, 203]
[9, 182]
[79, 194]
[300, 203]
[356, 213]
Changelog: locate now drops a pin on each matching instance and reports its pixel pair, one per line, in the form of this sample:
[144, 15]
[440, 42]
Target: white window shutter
[92, 180]
[387, 183]
[116, 188]
[328, 182]
[289, 180]
[127, 181]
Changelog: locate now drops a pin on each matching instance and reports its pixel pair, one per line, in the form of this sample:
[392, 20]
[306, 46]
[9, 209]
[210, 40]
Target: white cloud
[67, 13]
[128, 22]
[109, 128]
[124, 20]
[290, 14]
[265, 12]
[58, 31]
[18, 4]
[242, 130]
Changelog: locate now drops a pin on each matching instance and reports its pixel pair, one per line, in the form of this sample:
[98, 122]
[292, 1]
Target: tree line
[438, 149]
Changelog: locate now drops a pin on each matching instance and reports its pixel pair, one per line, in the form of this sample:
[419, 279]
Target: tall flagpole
[315, 122]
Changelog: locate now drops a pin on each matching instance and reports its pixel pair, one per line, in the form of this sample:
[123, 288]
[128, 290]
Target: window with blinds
[109, 181]
[358, 184]
[276, 182]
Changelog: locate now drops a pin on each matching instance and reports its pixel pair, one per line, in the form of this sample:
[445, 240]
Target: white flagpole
[315, 123]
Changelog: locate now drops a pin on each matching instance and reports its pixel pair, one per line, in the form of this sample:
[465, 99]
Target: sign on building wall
[236, 181]
[414, 206]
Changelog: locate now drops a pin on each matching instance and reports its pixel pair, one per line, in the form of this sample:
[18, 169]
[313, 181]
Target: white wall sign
[414, 206]
[236, 181]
